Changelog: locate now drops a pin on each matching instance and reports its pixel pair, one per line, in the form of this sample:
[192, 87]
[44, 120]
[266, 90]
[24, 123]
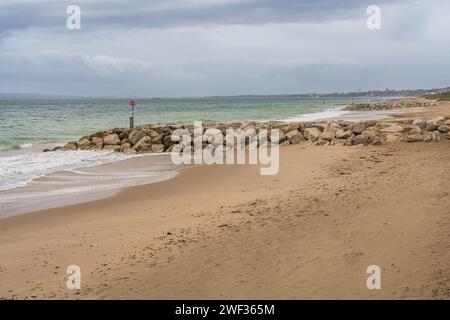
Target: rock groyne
[390, 105]
[157, 138]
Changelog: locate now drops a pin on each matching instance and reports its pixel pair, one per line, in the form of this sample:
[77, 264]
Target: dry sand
[309, 232]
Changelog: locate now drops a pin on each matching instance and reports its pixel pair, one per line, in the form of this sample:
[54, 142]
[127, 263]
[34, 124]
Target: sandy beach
[226, 232]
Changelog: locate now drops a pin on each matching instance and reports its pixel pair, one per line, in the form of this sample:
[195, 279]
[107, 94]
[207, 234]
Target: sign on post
[132, 105]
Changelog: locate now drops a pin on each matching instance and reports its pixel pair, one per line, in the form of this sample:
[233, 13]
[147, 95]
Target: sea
[27, 126]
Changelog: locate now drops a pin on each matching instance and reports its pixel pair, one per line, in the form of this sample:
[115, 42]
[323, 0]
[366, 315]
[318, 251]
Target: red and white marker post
[132, 105]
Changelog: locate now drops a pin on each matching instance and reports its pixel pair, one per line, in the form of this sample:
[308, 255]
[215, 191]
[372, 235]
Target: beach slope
[308, 232]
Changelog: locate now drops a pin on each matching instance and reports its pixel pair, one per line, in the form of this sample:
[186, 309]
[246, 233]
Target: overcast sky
[221, 47]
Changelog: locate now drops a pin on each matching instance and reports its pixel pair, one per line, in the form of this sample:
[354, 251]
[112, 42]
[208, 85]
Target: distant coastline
[400, 93]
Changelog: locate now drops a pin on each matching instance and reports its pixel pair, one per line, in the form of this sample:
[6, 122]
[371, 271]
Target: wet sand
[73, 186]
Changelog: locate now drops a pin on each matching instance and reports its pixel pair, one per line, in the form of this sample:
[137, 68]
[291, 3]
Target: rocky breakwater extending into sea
[157, 138]
[391, 105]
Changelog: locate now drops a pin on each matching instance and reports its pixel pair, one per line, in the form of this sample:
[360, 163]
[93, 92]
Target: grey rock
[341, 134]
[333, 126]
[371, 137]
[414, 138]
[393, 138]
[123, 135]
[135, 136]
[395, 128]
[444, 128]
[422, 124]
[97, 141]
[71, 146]
[157, 148]
[358, 127]
[434, 124]
[359, 139]
[312, 134]
[295, 136]
[111, 139]
[84, 142]
[328, 135]
[144, 142]
[415, 130]
[110, 147]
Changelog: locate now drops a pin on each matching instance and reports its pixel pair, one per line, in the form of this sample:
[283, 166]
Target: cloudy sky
[178, 48]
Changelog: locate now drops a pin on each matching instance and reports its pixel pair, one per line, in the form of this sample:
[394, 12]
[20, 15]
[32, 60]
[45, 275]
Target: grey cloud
[232, 47]
[172, 13]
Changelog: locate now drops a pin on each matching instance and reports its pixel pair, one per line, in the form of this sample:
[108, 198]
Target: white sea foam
[339, 114]
[18, 170]
[323, 115]
[26, 146]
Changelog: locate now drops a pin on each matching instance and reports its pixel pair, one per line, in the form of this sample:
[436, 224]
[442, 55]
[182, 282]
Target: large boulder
[395, 128]
[110, 147]
[333, 126]
[111, 139]
[414, 138]
[124, 147]
[97, 141]
[341, 134]
[319, 125]
[167, 141]
[339, 142]
[427, 137]
[71, 146]
[295, 136]
[289, 127]
[248, 125]
[359, 139]
[143, 143]
[422, 124]
[321, 142]
[415, 130]
[393, 138]
[100, 134]
[312, 134]
[328, 135]
[358, 127]
[156, 137]
[281, 138]
[434, 124]
[84, 143]
[431, 126]
[157, 148]
[145, 149]
[135, 136]
[123, 135]
[444, 128]
[371, 137]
